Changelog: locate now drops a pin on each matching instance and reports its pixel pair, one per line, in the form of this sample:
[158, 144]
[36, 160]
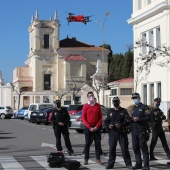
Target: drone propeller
[88, 20]
[70, 13]
[88, 16]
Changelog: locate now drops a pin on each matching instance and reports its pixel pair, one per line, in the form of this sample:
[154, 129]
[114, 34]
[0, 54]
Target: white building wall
[6, 95]
[148, 19]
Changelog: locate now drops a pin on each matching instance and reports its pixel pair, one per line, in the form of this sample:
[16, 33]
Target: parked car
[20, 114]
[78, 125]
[73, 109]
[33, 116]
[43, 115]
[37, 106]
[6, 112]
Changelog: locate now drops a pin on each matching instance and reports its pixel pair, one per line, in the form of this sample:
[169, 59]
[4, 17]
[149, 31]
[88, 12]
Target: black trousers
[114, 137]
[161, 134]
[139, 144]
[58, 130]
[97, 140]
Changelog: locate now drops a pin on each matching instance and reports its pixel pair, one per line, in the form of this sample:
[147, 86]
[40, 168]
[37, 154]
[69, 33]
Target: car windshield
[48, 109]
[75, 107]
[45, 106]
[25, 108]
[8, 107]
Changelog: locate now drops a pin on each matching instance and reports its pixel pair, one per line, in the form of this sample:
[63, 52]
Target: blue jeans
[97, 140]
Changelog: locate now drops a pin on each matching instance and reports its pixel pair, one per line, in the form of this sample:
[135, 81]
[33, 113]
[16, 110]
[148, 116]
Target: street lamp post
[102, 60]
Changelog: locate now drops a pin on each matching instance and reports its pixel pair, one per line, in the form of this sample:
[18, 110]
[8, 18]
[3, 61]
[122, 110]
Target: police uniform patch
[147, 111]
[110, 114]
[140, 110]
[122, 114]
[155, 113]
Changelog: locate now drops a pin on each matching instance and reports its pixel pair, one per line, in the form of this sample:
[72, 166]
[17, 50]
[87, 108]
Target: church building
[53, 65]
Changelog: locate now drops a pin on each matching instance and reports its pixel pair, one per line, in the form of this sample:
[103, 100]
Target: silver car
[6, 112]
[77, 123]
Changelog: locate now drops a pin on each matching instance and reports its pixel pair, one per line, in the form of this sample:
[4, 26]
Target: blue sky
[15, 17]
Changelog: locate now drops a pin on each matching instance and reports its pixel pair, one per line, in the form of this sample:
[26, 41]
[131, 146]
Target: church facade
[54, 68]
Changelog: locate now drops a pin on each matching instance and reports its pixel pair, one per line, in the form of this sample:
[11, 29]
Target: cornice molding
[149, 13]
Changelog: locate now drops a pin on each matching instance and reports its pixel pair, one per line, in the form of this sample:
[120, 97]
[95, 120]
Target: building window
[139, 4]
[158, 37]
[151, 40]
[159, 90]
[152, 93]
[149, 1]
[68, 100]
[46, 41]
[113, 92]
[151, 37]
[126, 91]
[144, 40]
[75, 70]
[77, 100]
[47, 81]
[145, 94]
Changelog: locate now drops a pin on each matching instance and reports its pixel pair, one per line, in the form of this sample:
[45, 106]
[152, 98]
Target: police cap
[134, 95]
[57, 102]
[157, 99]
[116, 99]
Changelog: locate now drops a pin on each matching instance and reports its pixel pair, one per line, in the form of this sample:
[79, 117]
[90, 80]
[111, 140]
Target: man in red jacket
[92, 118]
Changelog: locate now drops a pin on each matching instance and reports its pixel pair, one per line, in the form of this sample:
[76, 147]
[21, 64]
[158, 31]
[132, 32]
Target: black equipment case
[72, 164]
[56, 159]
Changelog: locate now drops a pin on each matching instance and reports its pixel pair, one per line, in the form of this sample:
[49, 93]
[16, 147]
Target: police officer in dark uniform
[60, 121]
[157, 131]
[116, 121]
[139, 122]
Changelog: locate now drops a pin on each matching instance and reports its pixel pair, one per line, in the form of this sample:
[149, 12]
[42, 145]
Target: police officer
[139, 122]
[116, 121]
[60, 121]
[157, 131]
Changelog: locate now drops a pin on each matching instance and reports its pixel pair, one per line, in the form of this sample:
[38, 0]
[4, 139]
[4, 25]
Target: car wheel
[2, 116]
[79, 130]
[45, 123]
[38, 123]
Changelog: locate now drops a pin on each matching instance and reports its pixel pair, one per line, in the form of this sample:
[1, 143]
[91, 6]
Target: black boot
[109, 166]
[146, 168]
[137, 167]
[152, 158]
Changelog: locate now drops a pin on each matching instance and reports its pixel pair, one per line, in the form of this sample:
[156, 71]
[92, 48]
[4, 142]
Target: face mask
[58, 105]
[157, 104]
[116, 104]
[135, 101]
[91, 98]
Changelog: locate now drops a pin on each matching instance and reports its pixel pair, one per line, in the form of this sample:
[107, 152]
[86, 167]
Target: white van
[37, 106]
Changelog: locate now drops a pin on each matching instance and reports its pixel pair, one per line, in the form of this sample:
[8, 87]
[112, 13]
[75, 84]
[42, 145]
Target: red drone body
[78, 18]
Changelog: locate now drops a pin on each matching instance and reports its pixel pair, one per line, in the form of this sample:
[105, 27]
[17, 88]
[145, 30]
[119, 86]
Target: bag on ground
[56, 159]
[72, 164]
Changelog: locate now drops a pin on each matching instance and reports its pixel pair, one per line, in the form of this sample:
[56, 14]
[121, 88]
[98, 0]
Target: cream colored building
[123, 89]
[151, 24]
[53, 64]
